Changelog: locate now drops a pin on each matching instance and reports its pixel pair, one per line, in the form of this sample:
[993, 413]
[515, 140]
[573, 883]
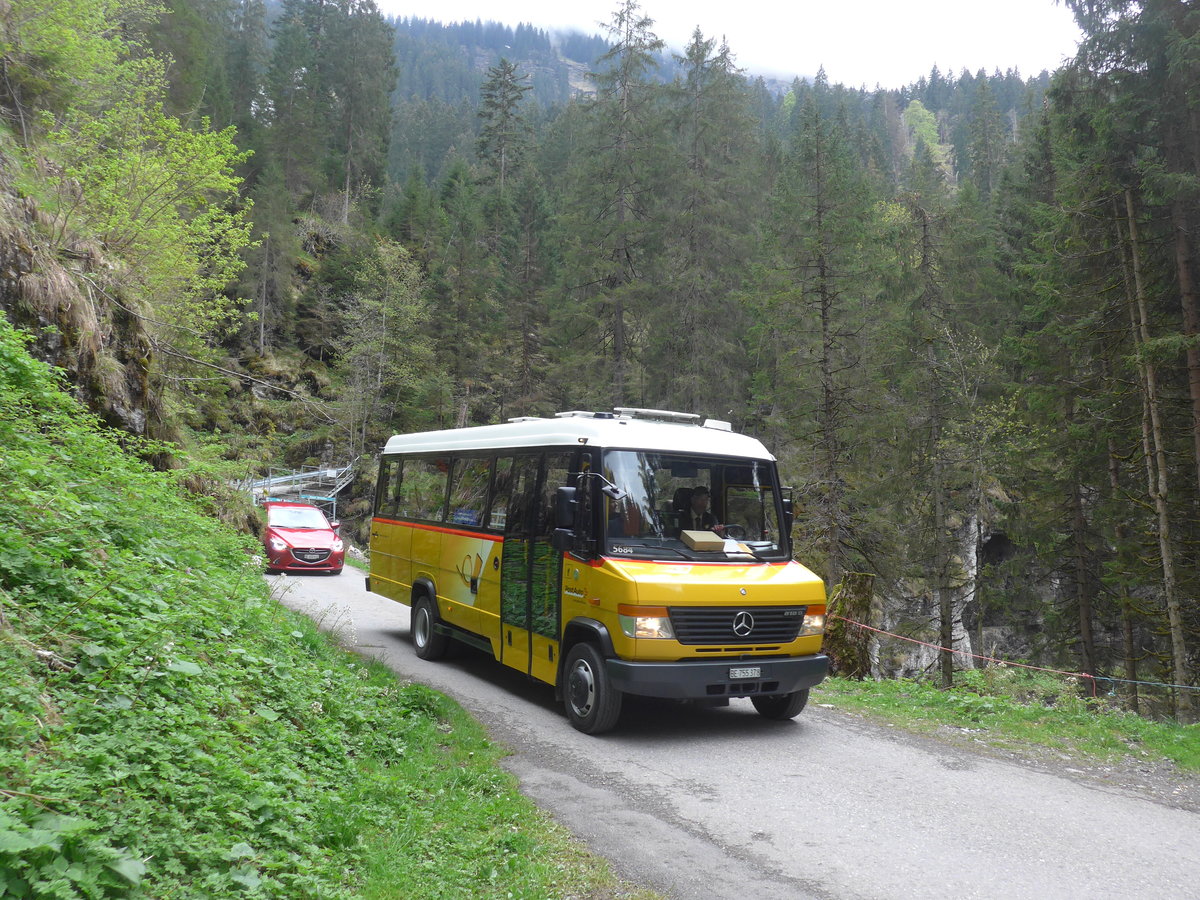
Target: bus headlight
[651, 622]
[813, 624]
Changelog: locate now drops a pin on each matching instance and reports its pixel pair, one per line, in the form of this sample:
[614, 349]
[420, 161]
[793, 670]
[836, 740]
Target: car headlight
[338, 545]
[278, 544]
[652, 622]
[814, 623]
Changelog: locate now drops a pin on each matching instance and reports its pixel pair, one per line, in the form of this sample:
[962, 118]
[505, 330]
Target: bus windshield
[732, 503]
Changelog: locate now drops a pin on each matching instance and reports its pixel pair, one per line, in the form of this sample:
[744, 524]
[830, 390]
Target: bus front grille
[737, 624]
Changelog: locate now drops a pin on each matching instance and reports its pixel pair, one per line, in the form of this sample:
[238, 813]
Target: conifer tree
[295, 95]
[504, 134]
[611, 218]
[248, 56]
[987, 142]
[382, 356]
[1133, 84]
[359, 75]
[193, 34]
[819, 317]
[695, 356]
[329, 82]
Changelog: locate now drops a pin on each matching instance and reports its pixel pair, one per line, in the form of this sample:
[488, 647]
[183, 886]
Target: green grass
[1022, 711]
[168, 730]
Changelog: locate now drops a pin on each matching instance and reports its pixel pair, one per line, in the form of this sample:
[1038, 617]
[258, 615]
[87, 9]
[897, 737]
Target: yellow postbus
[635, 552]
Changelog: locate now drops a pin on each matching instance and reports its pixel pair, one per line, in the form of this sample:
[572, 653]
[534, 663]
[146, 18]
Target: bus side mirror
[564, 508]
[789, 515]
[563, 536]
[569, 534]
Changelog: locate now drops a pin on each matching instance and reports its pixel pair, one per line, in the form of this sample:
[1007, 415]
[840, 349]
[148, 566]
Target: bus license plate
[743, 672]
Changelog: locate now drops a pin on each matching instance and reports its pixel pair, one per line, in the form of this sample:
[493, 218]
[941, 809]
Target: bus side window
[394, 501]
[423, 488]
[522, 502]
[501, 494]
[381, 486]
[387, 488]
[468, 490]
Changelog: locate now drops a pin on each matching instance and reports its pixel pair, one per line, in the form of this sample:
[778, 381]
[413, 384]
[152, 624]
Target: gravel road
[709, 804]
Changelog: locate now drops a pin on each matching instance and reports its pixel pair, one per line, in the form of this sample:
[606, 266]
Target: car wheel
[781, 706]
[335, 572]
[593, 704]
[427, 641]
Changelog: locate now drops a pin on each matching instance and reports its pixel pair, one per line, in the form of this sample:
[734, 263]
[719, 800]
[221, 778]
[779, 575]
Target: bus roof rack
[631, 412]
[658, 415]
[582, 414]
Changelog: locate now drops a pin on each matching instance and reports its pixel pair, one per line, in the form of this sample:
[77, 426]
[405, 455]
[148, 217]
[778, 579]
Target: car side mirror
[335, 524]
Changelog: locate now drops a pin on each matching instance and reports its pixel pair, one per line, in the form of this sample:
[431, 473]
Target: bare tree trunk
[832, 498]
[464, 406]
[1159, 488]
[262, 313]
[1179, 133]
[1191, 317]
[941, 590]
[1122, 535]
[623, 256]
[833, 475]
[349, 158]
[1083, 594]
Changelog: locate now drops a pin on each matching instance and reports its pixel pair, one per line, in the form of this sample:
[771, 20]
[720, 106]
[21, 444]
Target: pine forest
[963, 313]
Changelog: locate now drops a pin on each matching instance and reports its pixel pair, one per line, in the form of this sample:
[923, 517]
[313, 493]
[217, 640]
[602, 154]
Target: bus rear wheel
[427, 641]
[781, 706]
[593, 704]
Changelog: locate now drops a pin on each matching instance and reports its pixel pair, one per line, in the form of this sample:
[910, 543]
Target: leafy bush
[166, 729]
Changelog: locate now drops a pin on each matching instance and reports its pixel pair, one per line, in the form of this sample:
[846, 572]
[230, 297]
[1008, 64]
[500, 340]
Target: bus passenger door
[516, 563]
[545, 602]
[531, 569]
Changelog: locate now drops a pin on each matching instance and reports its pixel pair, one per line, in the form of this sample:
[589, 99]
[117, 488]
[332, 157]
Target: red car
[300, 539]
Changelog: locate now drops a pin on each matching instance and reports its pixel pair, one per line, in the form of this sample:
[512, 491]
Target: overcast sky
[860, 42]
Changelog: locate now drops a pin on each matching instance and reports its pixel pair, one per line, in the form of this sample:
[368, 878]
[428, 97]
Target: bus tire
[593, 704]
[427, 641]
[781, 706]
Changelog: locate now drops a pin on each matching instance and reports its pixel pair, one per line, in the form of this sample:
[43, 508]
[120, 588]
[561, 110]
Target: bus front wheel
[593, 704]
[427, 641]
[781, 706]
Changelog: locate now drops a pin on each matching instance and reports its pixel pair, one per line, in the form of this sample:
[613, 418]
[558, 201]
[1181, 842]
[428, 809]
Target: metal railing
[319, 486]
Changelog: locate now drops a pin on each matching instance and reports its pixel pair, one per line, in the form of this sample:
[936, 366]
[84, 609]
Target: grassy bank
[167, 730]
[1018, 710]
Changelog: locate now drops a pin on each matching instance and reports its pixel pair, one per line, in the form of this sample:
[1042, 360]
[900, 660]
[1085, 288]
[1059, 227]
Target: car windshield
[297, 517]
[691, 507]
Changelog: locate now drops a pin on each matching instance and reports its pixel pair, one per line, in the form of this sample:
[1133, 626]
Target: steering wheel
[735, 532]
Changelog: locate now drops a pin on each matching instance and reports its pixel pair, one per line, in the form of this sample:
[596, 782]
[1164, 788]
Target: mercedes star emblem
[743, 624]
